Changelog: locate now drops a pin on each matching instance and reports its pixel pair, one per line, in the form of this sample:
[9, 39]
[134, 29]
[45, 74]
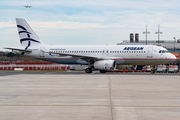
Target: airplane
[27, 6]
[99, 57]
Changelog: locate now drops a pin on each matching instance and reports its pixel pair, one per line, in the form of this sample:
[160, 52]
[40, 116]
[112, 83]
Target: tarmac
[75, 95]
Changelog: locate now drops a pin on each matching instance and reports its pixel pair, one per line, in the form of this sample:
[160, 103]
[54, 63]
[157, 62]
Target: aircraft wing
[84, 57]
[18, 49]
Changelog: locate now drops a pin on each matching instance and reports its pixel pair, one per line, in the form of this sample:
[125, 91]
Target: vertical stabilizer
[27, 36]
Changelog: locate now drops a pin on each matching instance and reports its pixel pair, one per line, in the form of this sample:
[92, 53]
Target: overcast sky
[69, 22]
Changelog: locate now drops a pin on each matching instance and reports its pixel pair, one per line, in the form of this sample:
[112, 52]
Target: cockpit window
[163, 51]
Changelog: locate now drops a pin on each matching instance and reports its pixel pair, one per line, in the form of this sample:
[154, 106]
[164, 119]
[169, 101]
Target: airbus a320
[99, 57]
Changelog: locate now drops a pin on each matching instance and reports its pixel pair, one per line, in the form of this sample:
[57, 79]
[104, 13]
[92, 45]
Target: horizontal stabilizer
[19, 49]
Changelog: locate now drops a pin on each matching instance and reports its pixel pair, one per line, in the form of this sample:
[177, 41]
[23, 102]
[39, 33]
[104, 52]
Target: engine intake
[105, 64]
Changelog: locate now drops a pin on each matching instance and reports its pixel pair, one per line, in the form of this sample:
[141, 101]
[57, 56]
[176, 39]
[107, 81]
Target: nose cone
[172, 57]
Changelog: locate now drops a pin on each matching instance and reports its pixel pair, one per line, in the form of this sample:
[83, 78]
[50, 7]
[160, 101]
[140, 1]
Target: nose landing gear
[153, 70]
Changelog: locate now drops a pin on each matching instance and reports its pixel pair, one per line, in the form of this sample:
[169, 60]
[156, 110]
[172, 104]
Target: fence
[33, 66]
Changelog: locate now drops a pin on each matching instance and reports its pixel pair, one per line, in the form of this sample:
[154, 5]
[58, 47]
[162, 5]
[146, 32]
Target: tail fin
[27, 36]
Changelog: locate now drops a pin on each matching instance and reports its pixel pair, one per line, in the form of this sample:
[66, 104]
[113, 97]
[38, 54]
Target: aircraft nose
[173, 57]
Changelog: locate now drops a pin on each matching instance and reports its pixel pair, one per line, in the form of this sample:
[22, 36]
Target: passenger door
[150, 52]
[41, 52]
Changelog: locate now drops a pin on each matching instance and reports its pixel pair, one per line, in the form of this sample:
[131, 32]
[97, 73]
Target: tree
[10, 54]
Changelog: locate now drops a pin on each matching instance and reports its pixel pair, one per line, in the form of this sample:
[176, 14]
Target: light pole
[174, 42]
[146, 32]
[158, 34]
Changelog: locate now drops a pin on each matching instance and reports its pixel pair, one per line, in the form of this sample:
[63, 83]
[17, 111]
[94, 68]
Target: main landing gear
[91, 67]
[88, 70]
[102, 71]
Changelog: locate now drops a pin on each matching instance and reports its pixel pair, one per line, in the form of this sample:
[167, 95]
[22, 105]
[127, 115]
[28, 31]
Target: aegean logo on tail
[133, 48]
[28, 35]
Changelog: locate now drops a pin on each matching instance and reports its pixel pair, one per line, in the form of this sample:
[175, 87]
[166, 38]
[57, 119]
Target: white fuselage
[122, 54]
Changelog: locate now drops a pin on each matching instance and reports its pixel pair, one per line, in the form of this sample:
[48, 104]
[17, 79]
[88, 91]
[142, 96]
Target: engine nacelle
[105, 64]
[125, 67]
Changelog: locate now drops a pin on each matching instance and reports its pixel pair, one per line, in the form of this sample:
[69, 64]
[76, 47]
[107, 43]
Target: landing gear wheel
[88, 70]
[102, 71]
[153, 71]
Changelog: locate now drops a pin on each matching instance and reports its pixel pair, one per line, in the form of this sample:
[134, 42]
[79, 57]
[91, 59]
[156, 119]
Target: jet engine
[105, 64]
